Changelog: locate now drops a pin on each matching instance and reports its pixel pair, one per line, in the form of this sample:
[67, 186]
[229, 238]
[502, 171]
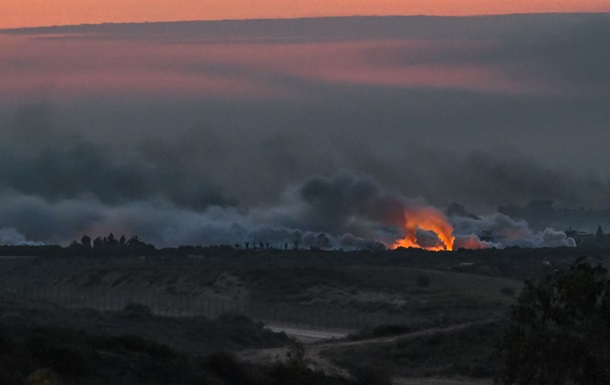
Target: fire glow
[427, 219]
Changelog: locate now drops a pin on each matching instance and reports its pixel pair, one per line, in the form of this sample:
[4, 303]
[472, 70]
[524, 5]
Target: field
[406, 316]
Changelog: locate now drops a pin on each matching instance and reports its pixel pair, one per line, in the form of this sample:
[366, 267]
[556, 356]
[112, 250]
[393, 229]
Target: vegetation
[440, 313]
[43, 377]
[465, 352]
[52, 355]
[560, 330]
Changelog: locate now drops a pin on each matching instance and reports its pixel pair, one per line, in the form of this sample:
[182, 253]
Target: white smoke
[11, 237]
[554, 238]
[499, 231]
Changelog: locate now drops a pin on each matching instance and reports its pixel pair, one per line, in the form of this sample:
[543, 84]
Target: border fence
[186, 305]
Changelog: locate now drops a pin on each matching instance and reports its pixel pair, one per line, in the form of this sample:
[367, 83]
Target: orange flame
[427, 219]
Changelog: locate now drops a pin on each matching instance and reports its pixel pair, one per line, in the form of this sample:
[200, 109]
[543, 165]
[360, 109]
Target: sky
[30, 13]
[333, 132]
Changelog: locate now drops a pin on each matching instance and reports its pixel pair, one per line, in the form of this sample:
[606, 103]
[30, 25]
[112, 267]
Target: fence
[184, 305]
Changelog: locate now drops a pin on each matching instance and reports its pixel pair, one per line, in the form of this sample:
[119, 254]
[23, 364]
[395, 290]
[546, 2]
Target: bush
[43, 377]
[239, 330]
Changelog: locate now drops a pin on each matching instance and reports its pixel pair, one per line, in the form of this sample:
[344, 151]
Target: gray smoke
[12, 237]
[346, 210]
[498, 230]
[193, 166]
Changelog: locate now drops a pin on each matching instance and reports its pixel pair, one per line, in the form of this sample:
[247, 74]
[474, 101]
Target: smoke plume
[346, 210]
[233, 132]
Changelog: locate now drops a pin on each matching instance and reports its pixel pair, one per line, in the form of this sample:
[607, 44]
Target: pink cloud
[74, 66]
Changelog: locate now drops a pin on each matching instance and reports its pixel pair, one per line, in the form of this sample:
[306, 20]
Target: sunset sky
[28, 13]
[281, 129]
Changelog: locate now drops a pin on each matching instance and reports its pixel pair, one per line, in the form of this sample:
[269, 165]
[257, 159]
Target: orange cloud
[27, 13]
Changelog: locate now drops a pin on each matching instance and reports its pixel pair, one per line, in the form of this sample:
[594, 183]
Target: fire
[427, 219]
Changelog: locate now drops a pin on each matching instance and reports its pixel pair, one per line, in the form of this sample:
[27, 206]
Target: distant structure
[584, 239]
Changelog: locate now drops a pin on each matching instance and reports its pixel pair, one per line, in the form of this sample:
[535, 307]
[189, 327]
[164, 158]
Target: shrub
[43, 377]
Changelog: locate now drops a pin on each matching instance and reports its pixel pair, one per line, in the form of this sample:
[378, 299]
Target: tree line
[108, 241]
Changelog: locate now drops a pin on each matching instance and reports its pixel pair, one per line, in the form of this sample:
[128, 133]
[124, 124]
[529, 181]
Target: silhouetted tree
[110, 240]
[86, 241]
[98, 243]
[560, 330]
[122, 240]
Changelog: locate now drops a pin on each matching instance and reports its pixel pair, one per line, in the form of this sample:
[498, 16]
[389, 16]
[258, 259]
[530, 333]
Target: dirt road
[317, 342]
[308, 335]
